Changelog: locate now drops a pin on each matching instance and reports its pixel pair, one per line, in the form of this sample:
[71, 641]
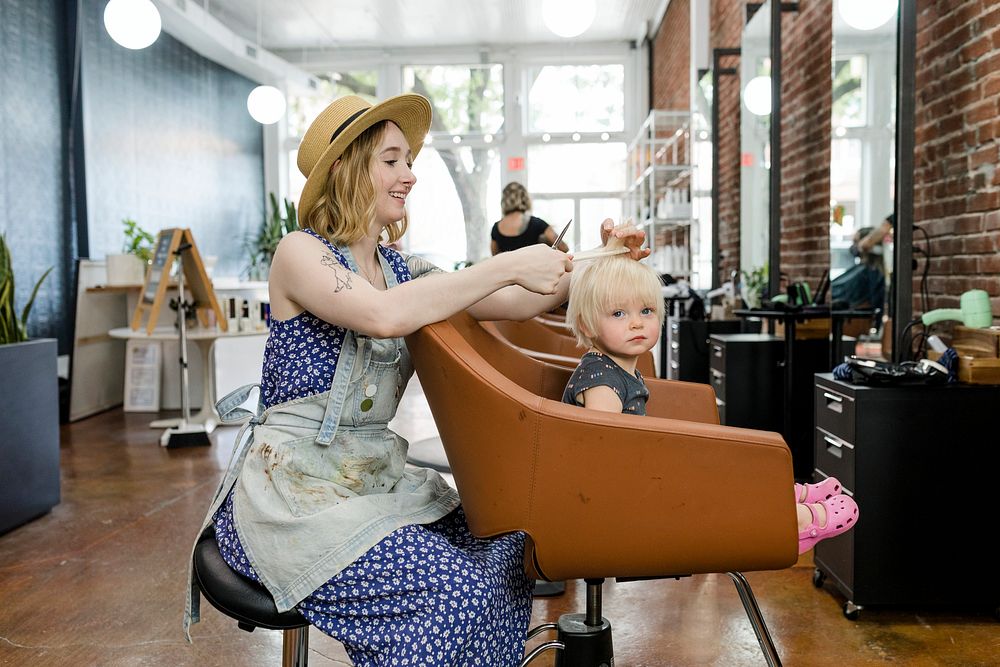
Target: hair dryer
[974, 311]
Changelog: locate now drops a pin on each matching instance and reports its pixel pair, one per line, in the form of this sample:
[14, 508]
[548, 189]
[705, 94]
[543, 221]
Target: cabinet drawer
[835, 413]
[718, 381]
[717, 356]
[834, 457]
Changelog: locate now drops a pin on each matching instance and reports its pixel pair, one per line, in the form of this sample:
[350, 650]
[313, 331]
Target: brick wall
[672, 57]
[956, 180]
[726, 26]
[806, 42]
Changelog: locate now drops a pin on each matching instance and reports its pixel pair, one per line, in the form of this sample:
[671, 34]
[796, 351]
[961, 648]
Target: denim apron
[322, 479]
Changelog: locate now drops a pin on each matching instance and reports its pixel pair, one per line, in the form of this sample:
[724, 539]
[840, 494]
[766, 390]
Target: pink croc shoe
[841, 515]
[814, 493]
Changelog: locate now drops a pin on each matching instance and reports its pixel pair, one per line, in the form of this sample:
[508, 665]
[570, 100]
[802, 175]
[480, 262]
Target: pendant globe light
[757, 95]
[266, 104]
[568, 18]
[134, 24]
[867, 14]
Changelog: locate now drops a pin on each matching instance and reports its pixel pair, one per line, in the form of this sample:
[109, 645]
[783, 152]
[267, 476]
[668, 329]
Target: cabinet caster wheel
[851, 611]
[818, 578]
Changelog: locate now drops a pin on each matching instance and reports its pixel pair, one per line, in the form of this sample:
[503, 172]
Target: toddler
[616, 311]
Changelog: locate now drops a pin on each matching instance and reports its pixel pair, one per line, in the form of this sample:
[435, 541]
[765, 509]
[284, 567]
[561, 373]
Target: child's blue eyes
[618, 314]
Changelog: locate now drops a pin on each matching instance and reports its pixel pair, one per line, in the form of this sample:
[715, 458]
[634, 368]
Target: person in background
[616, 310]
[518, 228]
[864, 284]
[319, 505]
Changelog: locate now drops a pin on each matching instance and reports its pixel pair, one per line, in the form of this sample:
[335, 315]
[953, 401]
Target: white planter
[125, 270]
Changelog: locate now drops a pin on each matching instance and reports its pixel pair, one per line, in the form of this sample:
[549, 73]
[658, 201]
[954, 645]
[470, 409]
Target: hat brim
[411, 112]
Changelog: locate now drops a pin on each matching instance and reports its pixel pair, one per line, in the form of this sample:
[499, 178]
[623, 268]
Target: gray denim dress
[322, 479]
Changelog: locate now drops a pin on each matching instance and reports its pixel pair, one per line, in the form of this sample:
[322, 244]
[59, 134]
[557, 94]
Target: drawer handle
[716, 350]
[834, 447]
[674, 345]
[674, 365]
[719, 402]
[833, 402]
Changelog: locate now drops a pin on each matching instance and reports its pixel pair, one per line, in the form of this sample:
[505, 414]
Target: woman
[517, 229]
[318, 506]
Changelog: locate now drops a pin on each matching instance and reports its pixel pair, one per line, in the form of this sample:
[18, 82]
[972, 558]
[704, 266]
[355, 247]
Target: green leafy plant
[12, 328]
[755, 285]
[274, 228]
[138, 241]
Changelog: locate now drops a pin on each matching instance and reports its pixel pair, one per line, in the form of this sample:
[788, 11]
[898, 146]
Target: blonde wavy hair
[606, 282]
[345, 210]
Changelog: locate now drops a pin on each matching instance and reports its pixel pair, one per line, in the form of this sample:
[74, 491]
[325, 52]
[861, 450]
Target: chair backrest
[533, 335]
[599, 494]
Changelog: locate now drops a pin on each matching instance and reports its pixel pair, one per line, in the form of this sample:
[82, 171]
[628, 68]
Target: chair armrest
[674, 399]
[622, 495]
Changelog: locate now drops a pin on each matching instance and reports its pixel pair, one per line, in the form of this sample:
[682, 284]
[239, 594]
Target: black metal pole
[774, 194]
[902, 269]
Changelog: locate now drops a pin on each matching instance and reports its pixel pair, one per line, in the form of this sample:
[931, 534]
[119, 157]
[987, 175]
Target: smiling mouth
[401, 196]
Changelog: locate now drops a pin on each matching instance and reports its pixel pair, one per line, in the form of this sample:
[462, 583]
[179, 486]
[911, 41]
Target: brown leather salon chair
[600, 494]
[538, 341]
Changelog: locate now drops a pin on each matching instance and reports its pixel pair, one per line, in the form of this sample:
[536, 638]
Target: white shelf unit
[658, 188]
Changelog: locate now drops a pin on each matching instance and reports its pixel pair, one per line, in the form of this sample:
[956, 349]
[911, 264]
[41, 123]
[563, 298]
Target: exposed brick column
[956, 180]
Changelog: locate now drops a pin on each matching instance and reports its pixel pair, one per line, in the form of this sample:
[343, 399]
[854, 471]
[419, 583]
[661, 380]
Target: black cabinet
[684, 352]
[920, 462]
[745, 371]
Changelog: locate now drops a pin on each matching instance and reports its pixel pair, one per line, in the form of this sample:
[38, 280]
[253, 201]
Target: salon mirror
[862, 141]
[755, 144]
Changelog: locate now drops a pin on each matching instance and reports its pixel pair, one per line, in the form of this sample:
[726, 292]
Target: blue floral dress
[425, 594]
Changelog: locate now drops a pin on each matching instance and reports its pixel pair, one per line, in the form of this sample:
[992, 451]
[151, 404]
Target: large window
[559, 128]
[576, 98]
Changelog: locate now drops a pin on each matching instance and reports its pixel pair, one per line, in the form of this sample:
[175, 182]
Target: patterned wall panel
[31, 160]
[169, 143]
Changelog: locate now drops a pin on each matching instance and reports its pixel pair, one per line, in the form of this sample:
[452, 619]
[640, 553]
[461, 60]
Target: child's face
[627, 328]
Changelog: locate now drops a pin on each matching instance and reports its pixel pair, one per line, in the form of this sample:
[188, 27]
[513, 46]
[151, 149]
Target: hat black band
[347, 122]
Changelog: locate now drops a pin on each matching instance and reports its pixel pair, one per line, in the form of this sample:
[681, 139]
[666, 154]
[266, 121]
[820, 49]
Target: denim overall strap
[230, 412]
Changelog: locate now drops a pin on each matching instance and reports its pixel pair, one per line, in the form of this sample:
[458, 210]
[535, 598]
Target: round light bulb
[266, 104]
[134, 24]
[757, 95]
[867, 14]
[568, 18]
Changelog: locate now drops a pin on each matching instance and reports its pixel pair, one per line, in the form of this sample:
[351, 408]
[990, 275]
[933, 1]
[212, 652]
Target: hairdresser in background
[517, 228]
[863, 285]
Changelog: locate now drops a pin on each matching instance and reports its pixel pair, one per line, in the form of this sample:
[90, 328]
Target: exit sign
[515, 164]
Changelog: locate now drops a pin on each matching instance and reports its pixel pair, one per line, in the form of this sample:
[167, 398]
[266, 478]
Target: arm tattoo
[343, 277]
[420, 266]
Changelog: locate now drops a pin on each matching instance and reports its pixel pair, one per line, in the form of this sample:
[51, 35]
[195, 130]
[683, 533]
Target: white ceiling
[289, 25]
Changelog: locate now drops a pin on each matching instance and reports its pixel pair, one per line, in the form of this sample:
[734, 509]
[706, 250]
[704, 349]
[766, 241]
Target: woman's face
[392, 176]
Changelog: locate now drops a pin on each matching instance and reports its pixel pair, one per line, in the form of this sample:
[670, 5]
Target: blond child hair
[601, 283]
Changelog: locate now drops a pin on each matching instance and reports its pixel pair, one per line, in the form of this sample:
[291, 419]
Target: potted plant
[29, 439]
[129, 267]
[261, 248]
[754, 287]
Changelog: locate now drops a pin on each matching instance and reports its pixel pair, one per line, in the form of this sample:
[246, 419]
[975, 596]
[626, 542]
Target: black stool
[248, 602]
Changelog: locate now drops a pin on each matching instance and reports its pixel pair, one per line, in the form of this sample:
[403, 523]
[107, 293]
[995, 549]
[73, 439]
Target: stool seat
[236, 596]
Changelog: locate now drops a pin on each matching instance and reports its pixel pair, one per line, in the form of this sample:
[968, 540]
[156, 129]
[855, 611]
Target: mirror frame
[901, 309]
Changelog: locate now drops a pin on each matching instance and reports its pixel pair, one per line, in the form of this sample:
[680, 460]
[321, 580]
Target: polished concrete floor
[100, 581]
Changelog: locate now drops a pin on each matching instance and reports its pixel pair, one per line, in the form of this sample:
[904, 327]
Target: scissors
[562, 233]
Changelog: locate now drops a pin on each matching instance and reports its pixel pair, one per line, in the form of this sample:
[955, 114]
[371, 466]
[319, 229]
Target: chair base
[295, 647]
[584, 645]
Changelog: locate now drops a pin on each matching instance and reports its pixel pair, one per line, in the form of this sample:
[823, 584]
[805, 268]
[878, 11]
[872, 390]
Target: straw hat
[341, 123]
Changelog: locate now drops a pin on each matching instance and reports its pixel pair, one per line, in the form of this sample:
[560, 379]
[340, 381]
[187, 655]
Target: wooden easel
[196, 279]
